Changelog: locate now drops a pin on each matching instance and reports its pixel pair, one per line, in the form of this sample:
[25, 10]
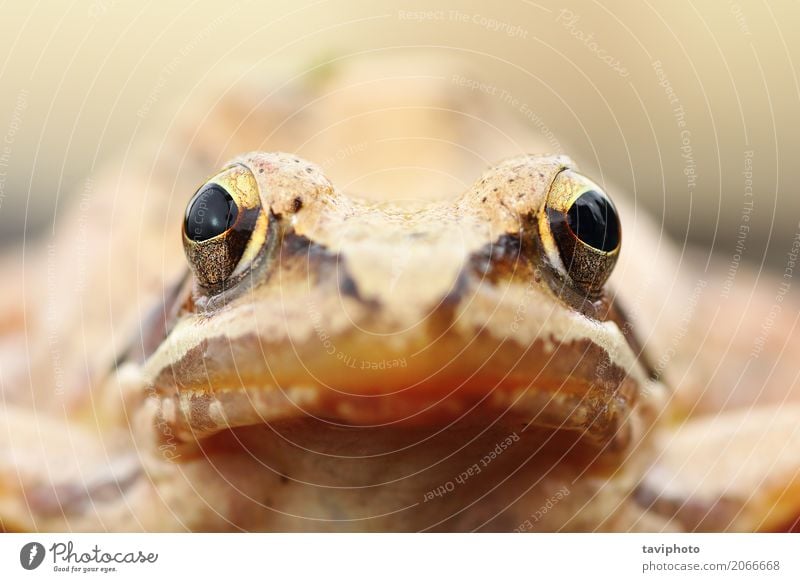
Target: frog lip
[500, 366]
[597, 410]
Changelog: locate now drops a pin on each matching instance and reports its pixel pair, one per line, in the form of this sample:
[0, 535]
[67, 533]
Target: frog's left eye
[224, 227]
[581, 231]
[211, 212]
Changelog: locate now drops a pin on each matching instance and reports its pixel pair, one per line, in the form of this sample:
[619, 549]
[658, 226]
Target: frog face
[305, 302]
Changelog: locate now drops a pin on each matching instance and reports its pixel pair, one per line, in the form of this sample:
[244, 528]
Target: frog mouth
[522, 386]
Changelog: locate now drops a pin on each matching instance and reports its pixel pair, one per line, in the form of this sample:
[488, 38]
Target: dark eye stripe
[211, 213]
[594, 221]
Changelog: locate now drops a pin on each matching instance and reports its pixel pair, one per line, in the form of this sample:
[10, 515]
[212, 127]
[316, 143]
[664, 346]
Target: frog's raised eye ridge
[580, 231]
[224, 227]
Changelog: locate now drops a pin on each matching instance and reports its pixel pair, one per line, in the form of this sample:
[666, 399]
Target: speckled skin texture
[387, 333]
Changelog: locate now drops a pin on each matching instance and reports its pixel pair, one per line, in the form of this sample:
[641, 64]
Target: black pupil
[211, 213]
[593, 220]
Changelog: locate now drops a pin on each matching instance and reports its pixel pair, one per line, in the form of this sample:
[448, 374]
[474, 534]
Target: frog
[514, 349]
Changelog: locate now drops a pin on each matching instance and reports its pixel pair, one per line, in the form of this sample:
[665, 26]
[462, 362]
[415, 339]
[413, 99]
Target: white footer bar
[406, 557]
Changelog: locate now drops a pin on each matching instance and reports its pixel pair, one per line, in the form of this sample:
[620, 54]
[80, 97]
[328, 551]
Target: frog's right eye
[224, 227]
[580, 231]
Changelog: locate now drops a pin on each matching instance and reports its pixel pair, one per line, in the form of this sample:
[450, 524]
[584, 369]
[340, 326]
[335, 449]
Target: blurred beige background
[694, 107]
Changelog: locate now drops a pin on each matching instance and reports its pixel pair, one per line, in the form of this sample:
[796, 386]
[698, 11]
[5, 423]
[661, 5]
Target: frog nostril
[212, 212]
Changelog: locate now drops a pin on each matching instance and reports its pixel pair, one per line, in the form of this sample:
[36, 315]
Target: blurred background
[692, 107]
